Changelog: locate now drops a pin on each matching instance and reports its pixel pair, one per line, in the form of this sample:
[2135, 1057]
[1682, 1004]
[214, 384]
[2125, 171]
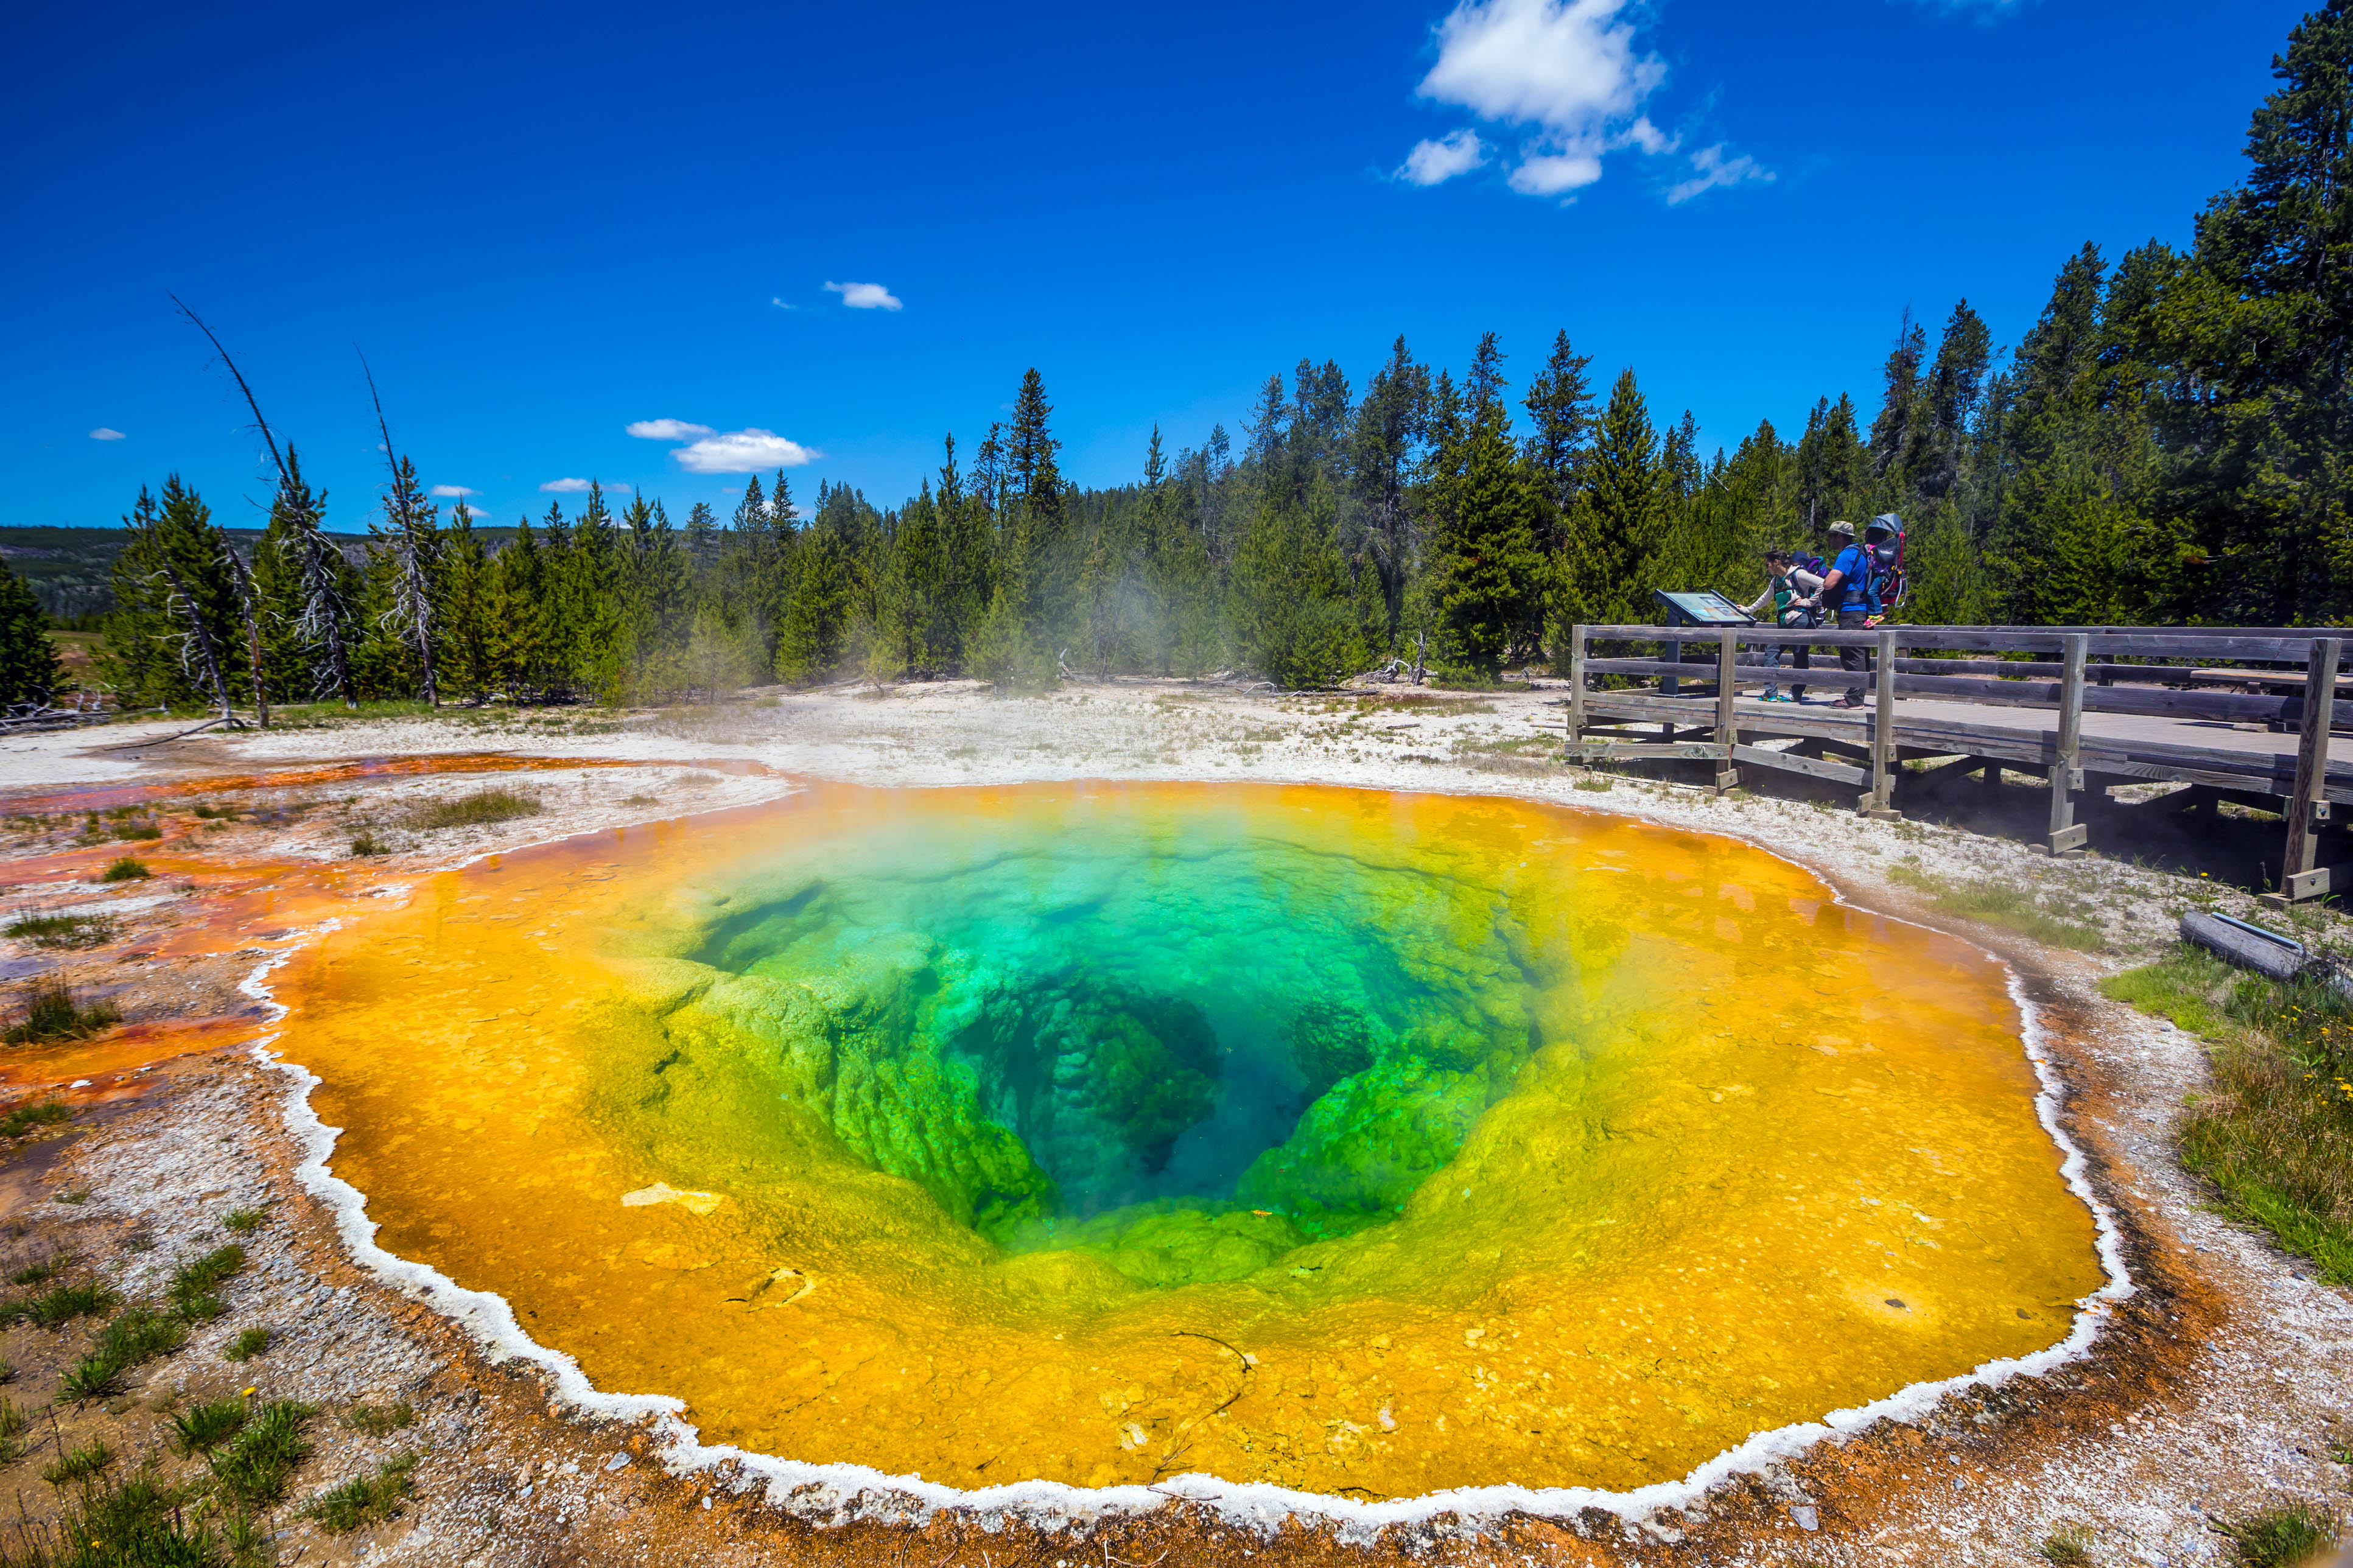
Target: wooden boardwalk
[2224, 711]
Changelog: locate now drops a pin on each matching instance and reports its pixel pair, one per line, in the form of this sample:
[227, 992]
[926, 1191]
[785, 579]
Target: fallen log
[2267, 953]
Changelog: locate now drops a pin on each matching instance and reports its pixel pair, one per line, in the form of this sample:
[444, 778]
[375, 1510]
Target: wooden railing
[2157, 673]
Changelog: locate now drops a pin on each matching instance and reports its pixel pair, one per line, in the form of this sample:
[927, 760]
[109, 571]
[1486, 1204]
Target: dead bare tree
[411, 596]
[248, 608]
[197, 654]
[315, 559]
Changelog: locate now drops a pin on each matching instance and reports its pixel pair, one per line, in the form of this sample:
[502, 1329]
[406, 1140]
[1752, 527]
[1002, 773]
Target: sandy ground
[2220, 1386]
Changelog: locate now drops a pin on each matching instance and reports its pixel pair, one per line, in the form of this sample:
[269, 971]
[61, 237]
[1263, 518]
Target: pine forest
[2166, 445]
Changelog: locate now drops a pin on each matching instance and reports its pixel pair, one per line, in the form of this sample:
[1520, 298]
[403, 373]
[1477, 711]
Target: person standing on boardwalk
[1846, 590]
[1794, 593]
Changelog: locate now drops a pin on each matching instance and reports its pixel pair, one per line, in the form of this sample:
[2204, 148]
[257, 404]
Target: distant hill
[71, 568]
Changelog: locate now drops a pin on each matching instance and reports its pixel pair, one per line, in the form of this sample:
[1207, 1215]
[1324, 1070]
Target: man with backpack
[1846, 589]
[1794, 594]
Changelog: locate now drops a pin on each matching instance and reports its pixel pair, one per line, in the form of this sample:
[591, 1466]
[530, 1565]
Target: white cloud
[1571, 73]
[1433, 163]
[580, 486]
[450, 491]
[103, 434]
[1712, 168]
[777, 300]
[744, 452]
[861, 296]
[669, 430]
[1555, 174]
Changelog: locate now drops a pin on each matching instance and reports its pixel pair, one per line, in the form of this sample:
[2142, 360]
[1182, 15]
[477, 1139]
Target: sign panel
[1704, 609]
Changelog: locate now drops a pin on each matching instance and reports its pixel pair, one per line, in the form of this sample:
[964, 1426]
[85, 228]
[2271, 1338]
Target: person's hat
[1845, 529]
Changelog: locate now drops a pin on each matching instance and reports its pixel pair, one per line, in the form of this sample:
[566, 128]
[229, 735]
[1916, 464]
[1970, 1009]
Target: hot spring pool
[1356, 1142]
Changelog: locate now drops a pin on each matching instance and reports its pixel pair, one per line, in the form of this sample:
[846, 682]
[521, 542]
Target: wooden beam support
[1790, 762]
[1880, 804]
[1727, 690]
[1577, 682]
[2304, 807]
[2067, 836]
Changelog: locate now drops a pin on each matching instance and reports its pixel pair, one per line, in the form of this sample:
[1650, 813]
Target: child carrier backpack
[1884, 582]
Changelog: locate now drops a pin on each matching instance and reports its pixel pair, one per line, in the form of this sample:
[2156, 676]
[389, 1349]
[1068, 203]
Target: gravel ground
[2220, 1386]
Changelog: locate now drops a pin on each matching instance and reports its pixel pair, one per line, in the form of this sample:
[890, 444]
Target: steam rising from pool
[1349, 1142]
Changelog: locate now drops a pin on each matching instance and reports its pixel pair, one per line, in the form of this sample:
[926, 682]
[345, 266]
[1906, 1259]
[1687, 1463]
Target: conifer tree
[2261, 324]
[30, 673]
[1560, 404]
[1490, 589]
[1618, 531]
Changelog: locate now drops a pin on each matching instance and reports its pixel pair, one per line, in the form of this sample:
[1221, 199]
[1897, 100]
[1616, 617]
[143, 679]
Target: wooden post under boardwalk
[1880, 804]
[1727, 689]
[2307, 807]
[2066, 757]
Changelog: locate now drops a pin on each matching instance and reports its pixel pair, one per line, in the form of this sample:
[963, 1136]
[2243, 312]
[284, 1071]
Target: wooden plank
[1837, 772]
[2065, 772]
[1609, 752]
[2311, 759]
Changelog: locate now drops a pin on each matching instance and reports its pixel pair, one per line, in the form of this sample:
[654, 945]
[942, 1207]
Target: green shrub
[142, 831]
[244, 1221]
[65, 930]
[247, 1345]
[2284, 1536]
[23, 1118]
[51, 1013]
[125, 871]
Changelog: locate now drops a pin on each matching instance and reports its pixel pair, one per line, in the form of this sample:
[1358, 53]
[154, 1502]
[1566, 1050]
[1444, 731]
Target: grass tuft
[80, 1465]
[52, 1013]
[43, 1271]
[126, 869]
[252, 1472]
[24, 1119]
[65, 930]
[247, 1345]
[479, 809]
[2283, 1536]
[365, 1500]
[137, 1334]
[2275, 1136]
[2000, 904]
[56, 1308]
[244, 1221]
[2068, 1546]
[208, 1426]
[367, 844]
[141, 831]
[379, 1420]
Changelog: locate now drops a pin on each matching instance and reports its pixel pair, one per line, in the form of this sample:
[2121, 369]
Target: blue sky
[834, 233]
